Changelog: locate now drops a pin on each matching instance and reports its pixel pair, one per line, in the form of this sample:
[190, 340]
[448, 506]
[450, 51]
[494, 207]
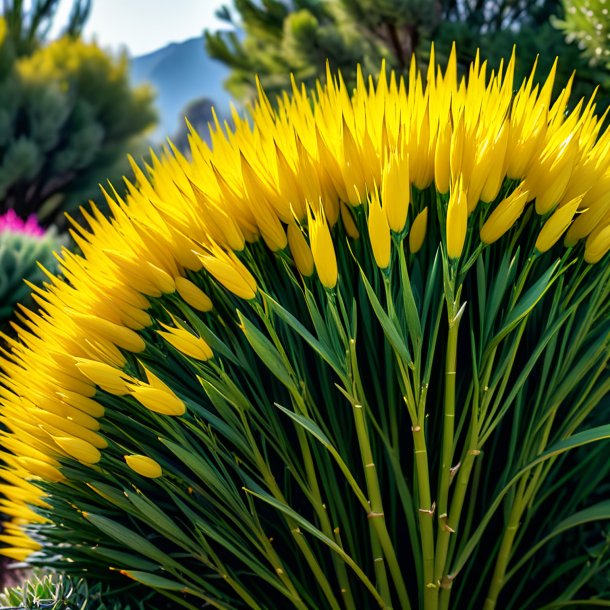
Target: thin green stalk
[376, 515]
[506, 547]
[426, 515]
[444, 530]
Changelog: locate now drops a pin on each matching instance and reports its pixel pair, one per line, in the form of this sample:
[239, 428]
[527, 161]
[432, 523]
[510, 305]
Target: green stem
[444, 530]
[426, 515]
[506, 546]
[376, 516]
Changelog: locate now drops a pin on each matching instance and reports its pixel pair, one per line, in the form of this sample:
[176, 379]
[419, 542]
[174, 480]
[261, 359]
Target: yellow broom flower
[504, 216]
[457, 219]
[322, 248]
[300, 250]
[417, 234]
[193, 295]
[144, 466]
[555, 226]
[379, 232]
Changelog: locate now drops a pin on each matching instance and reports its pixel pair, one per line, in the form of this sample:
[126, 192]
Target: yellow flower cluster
[286, 176]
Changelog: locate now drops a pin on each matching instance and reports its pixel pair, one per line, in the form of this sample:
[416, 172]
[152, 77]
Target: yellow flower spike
[300, 250]
[107, 377]
[497, 171]
[79, 449]
[230, 272]
[417, 234]
[457, 219]
[63, 427]
[396, 191]
[504, 216]
[83, 403]
[555, 226]
[144, 466]
[442, 172]
[193, 295]
[161, 279]
[349, 224]
[597, 245]
[186, 343]
[164, 402]
[322, 248]
[121, 336]
[379, 232]
[41, 469]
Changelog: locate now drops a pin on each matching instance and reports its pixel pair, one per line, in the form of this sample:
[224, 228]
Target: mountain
[181, 72]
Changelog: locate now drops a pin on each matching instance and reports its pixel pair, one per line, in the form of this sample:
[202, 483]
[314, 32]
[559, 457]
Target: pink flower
[11, 223]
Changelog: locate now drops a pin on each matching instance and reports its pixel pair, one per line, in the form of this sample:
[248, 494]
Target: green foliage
[67, 117]
[60, 592]
[587, 22]
[29, 22]
[281, 37]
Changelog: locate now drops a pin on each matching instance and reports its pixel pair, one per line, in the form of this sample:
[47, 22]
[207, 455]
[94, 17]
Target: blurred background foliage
[68, 114]
[273, 38]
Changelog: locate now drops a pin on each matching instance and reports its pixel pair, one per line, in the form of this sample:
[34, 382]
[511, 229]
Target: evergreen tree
[68, 115]
[279, 37]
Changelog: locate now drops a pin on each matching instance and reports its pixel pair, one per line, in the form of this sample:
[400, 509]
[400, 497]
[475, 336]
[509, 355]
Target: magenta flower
[11, 223]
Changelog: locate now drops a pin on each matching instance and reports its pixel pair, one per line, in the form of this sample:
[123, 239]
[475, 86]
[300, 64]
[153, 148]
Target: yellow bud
[193, 295]
[18, 554]
[555, 226]
[379, 232]
[78, 449]
[417, 234]
[504, 216]
[144, 466]
[231, 273]
[186, 343]
[457, 219]
[349, 224]
[41, 469]
[64, 427]
[300, 250]
[83, 403]
[597, 245]
[441, 158]
[322, 248]
[157, 400]
[107, 377]
[396, 191]
[161, 279]
[121, 336]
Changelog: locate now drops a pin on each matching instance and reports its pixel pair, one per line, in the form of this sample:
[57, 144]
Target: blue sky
[142, 26]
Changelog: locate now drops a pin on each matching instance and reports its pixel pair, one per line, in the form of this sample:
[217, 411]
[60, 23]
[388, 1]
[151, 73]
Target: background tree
[273, 38]
[68, 115]
[199, 113]
[29, 23]
[587, 22]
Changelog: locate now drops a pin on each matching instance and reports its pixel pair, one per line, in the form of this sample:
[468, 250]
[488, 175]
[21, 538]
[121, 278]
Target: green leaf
[155, 581]
[526, 303]
[313, 429]
[316, 345]
[267, 352]
[597, 512]
[392, 333]
[128, 537]
[124, 560]
[579, 439]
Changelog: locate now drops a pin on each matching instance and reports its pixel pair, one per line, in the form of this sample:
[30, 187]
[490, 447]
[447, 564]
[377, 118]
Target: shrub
[341, 359]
